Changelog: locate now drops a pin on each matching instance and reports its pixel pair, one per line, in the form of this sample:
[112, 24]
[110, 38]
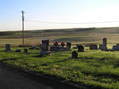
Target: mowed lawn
[97, 69]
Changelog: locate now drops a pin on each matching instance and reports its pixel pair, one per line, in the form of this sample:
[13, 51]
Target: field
[82, 35]
[94, 68]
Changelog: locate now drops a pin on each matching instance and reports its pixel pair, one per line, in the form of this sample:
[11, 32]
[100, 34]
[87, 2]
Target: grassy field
[97, 69]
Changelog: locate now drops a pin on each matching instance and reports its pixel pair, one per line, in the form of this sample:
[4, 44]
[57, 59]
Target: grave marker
[44, 48]
[26, 51]
[104, 44]
[80, 48]
[115, 47]
[18, 50]
[68, 45]
[93, 47]
[45, 45]
[62, 44]
[74, 54]
[7, 47]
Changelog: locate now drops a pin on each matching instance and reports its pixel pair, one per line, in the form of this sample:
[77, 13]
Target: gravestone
[62, 44]
[80, 48]
[26, 51]
[74, 54]
[104, 44]
[68, 45]
[45, 45]
[56, 44]
[55, 47]
[93, 47]
[44, 48]
[18, 50]
[58, 48]
[115, 47]
[7, 47]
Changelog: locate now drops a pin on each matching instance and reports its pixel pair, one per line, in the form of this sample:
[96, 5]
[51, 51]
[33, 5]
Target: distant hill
[74, 35]
[40, 33]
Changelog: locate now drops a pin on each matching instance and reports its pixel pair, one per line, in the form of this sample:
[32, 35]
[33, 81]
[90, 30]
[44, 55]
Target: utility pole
[22, 27]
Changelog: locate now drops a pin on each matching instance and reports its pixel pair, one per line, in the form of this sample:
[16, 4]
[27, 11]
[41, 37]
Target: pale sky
[49, 14]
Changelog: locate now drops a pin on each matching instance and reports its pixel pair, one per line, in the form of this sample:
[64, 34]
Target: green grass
[92, 68]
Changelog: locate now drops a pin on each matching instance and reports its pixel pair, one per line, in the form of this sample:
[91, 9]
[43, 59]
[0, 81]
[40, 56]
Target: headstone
[68, 45]
[58, 48]
[54, 48]
[7, 47]
[62, 47]
[115, 47]
[62, 44]
[17, 50]
[26, 51]
[44, 48]
[45, 45]
[74, 54]
[80, 48]
[93, 47]
[104, 44]
[56, 44]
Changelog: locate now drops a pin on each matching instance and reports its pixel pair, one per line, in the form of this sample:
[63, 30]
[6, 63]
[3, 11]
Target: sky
[51, 14]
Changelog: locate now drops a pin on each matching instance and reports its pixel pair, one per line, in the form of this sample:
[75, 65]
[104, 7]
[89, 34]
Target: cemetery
[95, 67]
[59, 44]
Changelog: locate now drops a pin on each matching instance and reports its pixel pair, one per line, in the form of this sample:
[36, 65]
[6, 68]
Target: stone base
[53, 48]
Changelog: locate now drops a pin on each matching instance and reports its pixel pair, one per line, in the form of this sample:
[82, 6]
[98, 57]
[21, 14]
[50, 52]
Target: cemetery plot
[97, 67]
[92, 68]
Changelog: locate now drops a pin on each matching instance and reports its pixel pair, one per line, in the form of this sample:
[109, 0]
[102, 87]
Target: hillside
[74, 35]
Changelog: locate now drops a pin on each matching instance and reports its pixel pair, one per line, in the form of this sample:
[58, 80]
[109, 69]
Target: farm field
[74, 35]
[96, 69]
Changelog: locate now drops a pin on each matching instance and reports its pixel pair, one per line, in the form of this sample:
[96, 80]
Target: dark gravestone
[115, 47]
[104, 44]
[18, 50]
[58, 48]
[62, 47]
[54, 48]
[93, 47]
[45, 45]
[80, 48]
[44, 48]
[7, 47]
[68, 45]
[74, 54]
[26, 51]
